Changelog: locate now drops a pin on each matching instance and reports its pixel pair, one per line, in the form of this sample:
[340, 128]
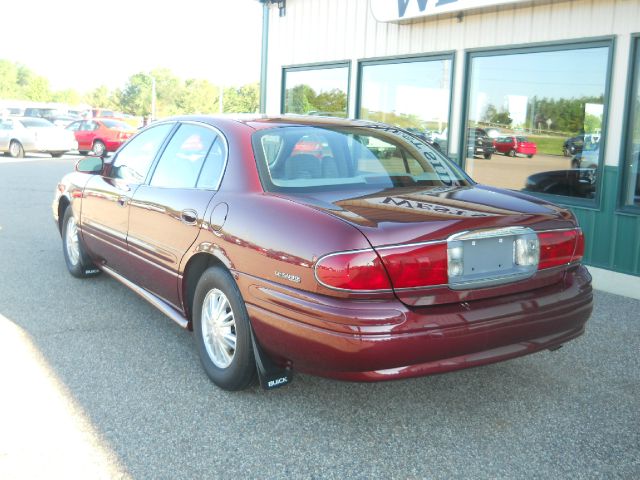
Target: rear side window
[134, 160]
[183, 159]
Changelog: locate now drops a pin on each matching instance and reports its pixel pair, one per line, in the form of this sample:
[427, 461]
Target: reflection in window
[318, 91]
[412, 94]
[550, 105]
[133, 161]
[632, 163]
[182, 160]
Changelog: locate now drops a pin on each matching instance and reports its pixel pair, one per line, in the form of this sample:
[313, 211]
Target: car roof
[261, 122]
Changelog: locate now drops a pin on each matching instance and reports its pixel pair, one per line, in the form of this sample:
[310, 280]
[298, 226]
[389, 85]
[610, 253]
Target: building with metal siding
[307, 36]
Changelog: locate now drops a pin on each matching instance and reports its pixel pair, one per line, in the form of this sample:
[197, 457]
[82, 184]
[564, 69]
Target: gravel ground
[95, 383]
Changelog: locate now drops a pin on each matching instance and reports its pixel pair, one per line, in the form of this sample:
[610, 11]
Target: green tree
[245, 99]
[9, 87]
[135, 98]
[37, 89]
[199, 96]
[300, 99]
[333, 102]
[101, 97]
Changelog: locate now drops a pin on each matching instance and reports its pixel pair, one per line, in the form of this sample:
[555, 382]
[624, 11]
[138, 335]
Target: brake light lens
[560, 248]
[416, 265]
[359, 271]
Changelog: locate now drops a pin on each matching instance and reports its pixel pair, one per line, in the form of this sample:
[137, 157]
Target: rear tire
[511, 153]
[78, 263]
[487, 156]
[530, 156]
[16, 149]
[56, 154]
[99, 148]
[223, 331]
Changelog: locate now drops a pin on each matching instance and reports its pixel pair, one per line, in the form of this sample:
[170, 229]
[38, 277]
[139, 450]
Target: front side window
[182, 160]
[631, 189]
[316, 91]
[134, 160]
[363, 158]
[551, 104]
[412, 94]
[74, 127]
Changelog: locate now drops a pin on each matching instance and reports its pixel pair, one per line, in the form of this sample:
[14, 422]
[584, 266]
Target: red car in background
[100, 135]
[512, 145]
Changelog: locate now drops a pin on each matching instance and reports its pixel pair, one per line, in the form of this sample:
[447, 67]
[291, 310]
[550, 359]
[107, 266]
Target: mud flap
[271, 375]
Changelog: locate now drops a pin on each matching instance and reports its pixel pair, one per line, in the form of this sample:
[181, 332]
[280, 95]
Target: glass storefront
[410, 93]
[317, 90]
[535, 119]
[631, 162]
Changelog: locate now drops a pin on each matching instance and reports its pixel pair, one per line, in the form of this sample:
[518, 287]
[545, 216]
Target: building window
[410, 93]
[631, 161]
[535, 118]
[316, 90]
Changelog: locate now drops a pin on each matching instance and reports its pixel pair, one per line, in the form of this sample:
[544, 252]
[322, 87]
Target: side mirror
[90, 165]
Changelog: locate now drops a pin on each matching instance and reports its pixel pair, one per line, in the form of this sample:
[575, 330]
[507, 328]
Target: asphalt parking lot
[95, 383]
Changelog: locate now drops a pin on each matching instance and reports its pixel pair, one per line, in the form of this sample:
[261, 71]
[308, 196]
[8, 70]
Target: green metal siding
[612, 237]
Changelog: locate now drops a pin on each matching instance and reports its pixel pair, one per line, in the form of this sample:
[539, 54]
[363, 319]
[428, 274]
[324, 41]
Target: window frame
[417, 58]
[633, 85]
[309, 67]
[553, 46]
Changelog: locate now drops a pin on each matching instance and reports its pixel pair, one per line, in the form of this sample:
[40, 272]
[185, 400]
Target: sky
[82, 44]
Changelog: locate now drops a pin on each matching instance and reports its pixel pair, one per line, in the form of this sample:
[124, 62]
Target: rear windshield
[116, 124]
[303, 158]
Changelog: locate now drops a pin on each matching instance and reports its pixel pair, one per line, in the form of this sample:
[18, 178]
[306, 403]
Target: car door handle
[123, 200]
[189, 216]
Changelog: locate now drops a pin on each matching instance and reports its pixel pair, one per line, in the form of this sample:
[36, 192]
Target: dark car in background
[479, 143]
[100, 135]
[573, 145]
[575, 182]
[378, 259]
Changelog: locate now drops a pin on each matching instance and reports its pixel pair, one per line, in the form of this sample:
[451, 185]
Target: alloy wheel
[72, 242]
[218, 328]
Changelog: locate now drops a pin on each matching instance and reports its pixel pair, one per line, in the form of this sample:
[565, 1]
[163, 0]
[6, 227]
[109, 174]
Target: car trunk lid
[425, 223]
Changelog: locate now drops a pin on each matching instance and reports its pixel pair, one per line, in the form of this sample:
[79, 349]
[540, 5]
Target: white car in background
[30, 134]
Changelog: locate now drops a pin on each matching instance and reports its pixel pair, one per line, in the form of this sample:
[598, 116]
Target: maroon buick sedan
[367, 257]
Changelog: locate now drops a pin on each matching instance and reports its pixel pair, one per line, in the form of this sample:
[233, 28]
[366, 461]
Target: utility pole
[153, 98]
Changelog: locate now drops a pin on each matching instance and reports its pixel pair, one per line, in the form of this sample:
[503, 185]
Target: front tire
[487, 156]
[222, 330]
[78, 263]
[511, 153]
[56, 154]
[16, 150]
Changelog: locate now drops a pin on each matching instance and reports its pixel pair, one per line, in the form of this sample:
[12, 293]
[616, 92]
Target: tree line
[564, 115]
[173, 95]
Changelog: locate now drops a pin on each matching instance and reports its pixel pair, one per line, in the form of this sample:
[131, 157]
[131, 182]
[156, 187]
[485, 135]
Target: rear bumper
[372, 341]
[113, 145]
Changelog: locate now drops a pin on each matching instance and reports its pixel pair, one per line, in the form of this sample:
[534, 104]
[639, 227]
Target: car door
[84, 135]
[75, 127]
[168, 212]
[104, 216]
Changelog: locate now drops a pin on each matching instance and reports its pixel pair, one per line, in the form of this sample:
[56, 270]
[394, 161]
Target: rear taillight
[416, 265]
[403, 267]
[443, 263]
[360, 270]
[560, 248]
